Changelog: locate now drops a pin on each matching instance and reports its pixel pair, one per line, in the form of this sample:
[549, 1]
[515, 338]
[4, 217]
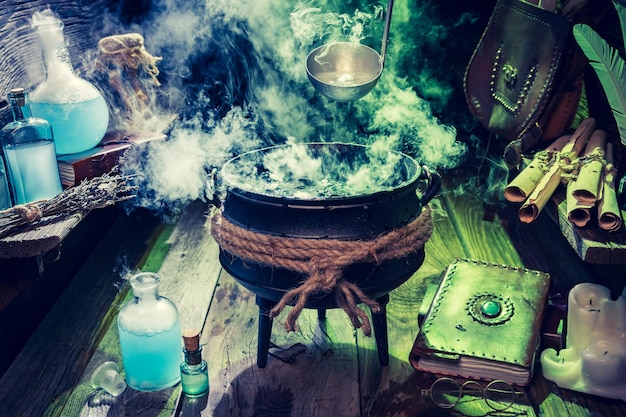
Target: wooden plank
[58, 351]
[481, 240]
[391, 390]
[40, 239]
[592, 244]
[314, 371]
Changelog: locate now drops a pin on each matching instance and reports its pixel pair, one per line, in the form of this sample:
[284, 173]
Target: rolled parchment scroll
[537, 200]
[609, 215]
[525, 182]
[577, 212]
[587, 185]
[583, 192]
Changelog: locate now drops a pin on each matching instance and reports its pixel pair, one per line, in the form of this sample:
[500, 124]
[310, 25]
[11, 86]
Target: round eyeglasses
[447, 393]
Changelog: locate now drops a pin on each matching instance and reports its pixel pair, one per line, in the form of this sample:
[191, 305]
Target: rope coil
[322, 260]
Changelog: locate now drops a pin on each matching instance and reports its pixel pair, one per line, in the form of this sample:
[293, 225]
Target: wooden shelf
[39, 240]
[592, 244]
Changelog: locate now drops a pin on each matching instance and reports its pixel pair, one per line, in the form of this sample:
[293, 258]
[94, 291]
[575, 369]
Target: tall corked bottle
[28, 147]
[150, 336]
[74, 107]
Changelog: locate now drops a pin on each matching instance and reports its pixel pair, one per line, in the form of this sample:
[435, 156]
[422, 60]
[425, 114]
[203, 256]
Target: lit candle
[594, 360]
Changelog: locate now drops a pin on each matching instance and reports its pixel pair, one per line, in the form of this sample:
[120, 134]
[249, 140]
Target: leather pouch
[484, 322]
[514, 73]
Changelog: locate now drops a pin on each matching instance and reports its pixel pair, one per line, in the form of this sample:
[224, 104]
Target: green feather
[609, 66]
[620, 8]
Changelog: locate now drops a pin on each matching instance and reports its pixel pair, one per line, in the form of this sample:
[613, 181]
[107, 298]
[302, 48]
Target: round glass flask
[73, 106]
[150, 336]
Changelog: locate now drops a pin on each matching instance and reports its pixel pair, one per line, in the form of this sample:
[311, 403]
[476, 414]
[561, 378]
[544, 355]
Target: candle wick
[606, 352]
[591, 301]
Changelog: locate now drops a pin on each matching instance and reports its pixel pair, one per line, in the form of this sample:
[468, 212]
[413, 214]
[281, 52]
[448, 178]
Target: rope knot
[31, 213]
[322, 260]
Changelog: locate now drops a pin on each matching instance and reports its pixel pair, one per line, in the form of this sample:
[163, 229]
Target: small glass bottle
[194, 374]
[5, 191]
[150, 336]
[75, 108]
[28, 147]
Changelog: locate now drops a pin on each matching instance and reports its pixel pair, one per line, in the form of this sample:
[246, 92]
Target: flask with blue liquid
[75, 108]
[150, 336]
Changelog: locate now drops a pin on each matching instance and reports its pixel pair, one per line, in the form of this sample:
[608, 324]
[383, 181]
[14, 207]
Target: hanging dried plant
[95, 193]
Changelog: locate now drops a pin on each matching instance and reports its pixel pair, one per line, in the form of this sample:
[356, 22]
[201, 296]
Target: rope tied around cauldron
[322, 260]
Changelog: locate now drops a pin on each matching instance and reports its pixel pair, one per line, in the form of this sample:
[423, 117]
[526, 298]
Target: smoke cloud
[234, 72]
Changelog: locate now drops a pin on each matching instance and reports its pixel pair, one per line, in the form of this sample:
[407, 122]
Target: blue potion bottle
[28, 147]
[5, 191]
[150, 336]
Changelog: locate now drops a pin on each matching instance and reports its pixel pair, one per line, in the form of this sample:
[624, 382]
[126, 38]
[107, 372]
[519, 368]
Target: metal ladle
[346, 71]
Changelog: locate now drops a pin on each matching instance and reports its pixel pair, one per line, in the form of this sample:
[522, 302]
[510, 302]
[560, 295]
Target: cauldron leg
[265, 330]
[379, 323]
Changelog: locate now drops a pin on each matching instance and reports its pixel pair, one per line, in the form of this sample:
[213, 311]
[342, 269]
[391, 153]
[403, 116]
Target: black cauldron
[324, 191]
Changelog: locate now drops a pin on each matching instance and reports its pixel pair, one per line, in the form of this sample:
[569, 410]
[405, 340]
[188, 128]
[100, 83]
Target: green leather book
[484, 322]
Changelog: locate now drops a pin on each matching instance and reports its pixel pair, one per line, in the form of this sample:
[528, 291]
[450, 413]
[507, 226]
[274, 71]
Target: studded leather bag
[524, 81]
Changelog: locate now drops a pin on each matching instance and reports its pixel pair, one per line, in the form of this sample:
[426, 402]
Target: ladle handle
[383, 48]
[433, 186]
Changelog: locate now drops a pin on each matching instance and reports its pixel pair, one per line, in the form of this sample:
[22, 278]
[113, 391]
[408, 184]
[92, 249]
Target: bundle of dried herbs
[92, 194]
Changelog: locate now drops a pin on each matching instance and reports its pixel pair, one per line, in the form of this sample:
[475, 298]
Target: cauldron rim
[322, 201]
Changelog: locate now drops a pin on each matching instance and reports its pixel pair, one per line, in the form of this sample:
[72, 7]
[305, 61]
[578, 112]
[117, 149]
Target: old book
[484, 322]
[91, 163]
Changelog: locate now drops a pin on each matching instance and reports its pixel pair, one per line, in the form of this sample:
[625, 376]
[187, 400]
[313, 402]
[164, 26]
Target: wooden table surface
[326, 368]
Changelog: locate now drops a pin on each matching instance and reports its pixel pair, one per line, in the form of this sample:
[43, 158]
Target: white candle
[603, 362]
[561, 367]
[594, 360]
[583, 314]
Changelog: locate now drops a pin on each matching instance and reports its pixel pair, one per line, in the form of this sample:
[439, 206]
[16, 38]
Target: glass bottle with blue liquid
[75, 108]
[150, 336]
[194, 371]
[5, 191]
[28, 147]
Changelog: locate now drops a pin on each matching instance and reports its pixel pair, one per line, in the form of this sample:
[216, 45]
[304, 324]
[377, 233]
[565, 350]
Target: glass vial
[74, 107]
[194, 374]
[5, 191]
[28, 147]
[150, 336]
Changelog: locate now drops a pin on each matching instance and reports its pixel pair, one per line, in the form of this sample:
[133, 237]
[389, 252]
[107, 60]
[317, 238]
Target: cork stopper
[18, 95]
[192, 340]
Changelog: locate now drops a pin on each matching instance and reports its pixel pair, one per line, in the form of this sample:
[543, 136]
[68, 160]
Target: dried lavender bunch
[95, 193]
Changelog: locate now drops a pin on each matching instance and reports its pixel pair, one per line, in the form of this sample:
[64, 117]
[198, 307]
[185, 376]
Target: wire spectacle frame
[447, 393]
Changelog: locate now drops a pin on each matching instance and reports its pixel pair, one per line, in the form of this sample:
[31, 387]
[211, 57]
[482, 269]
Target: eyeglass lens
[445, 393]
[499, 395]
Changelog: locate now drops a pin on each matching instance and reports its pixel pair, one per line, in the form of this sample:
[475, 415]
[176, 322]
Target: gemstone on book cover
[490, 309]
